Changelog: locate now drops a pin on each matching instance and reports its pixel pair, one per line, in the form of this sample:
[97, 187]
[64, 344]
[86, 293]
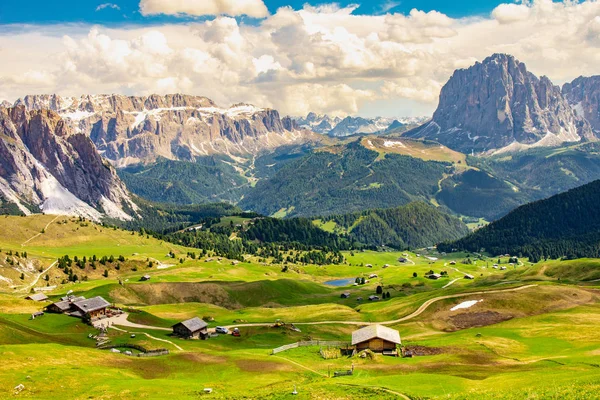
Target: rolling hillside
[345, 179]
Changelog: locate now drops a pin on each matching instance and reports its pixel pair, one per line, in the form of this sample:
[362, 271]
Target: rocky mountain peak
[498, 105]
[46, 166]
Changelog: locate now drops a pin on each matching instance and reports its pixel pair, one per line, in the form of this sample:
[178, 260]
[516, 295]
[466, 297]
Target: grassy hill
[540, 341]
[425, 150]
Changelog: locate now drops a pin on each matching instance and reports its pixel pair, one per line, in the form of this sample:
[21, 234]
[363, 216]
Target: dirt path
[121, 320]
[450, 283]
[37, 278]
[161, 340]
[38, 234]
[300, 365]
[457, 270]
[414, 314]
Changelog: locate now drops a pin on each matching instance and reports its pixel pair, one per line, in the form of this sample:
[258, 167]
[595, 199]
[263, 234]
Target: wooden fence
[309, 343]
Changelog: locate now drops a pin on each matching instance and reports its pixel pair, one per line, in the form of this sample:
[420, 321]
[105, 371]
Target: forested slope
[565, 225]
[354, 179]
[415, 225]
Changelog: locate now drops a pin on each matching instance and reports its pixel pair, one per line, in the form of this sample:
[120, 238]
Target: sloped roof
[93, 304]
[375, 331]
[195, 324]
[38, 297]
[65, 305]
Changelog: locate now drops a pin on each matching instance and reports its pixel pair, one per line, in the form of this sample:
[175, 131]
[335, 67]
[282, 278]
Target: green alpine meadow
[282, 199]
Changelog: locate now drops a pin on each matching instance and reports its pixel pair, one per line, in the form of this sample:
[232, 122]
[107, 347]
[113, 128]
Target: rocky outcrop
[583, 94]
[45, 165]
[498, 105]
[132, 129]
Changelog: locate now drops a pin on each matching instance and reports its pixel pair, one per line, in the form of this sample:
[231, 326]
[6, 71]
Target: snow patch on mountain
[390, 143]
[59, 201]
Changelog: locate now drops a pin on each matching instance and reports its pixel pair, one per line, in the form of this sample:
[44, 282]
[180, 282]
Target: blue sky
[374, 59]
[84, 11]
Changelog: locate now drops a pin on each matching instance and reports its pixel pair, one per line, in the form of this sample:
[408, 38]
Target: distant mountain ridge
[348, 126]
[498, 105]
[139, 129]
[45, 166]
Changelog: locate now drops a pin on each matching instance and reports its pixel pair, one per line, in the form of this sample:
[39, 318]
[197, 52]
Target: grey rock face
[44, 164]
[583, 94]
[132, 129]
[498, 104]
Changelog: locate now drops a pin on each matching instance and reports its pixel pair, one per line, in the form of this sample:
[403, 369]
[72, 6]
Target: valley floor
[506, 334]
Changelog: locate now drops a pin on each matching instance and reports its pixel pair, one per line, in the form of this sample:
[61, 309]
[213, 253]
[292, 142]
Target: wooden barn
[91, 308]
[64, 305]
[37, 297]
[377, 338]
[194, 328]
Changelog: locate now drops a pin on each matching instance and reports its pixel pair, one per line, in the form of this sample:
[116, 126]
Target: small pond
[341, 282]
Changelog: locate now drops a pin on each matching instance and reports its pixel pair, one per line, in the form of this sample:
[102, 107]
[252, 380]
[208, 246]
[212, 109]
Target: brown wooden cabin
[92, 308]
[194, 328]
[37, 297]
[377, 338]
[63, 306]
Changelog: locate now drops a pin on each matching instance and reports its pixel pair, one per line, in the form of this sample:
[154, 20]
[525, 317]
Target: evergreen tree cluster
[355, 178]
[300, 231]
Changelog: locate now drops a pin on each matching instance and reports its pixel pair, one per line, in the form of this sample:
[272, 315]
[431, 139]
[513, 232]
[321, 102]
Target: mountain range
[348, 126]
[130, 130]
[530, 139]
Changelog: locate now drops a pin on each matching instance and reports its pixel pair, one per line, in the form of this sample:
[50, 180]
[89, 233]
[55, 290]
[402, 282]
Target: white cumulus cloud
[323, 59]
[509, 13]
[251, 8]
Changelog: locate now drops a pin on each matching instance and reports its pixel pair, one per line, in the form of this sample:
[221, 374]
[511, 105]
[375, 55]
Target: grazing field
[425, 150]
[527, 331]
